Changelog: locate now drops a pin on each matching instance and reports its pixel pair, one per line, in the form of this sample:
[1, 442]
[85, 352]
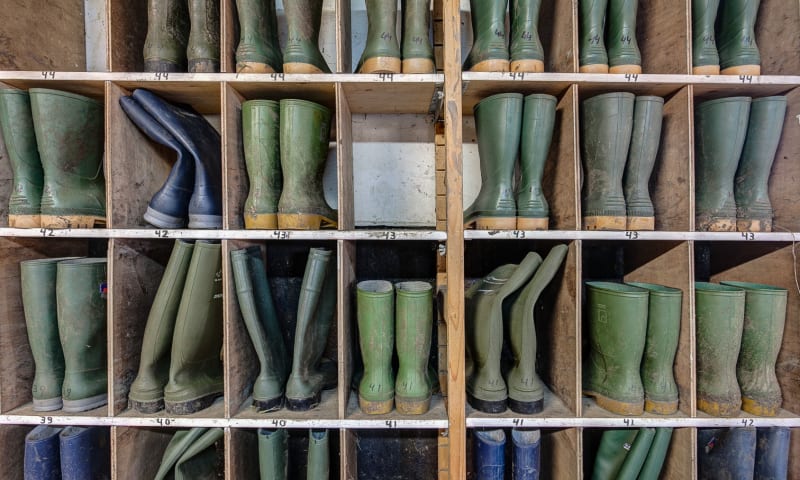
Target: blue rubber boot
[85, 453]
[772, 453]
[526, 453]
[726, 453]
[42, 461]
[490, 462]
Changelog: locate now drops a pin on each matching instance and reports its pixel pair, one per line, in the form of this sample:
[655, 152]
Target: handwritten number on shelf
[391, 423]
[518, 422]
[632, 77]
[632, 235]
[747, 422]
[278, 423]
[628, 422]
[49, 74]
[386, 77]
[748, 235]
[162, 75]
[162, 233]
[280, 234]
[517, 75]
[164, 422]
[518, 234]
[47, 232]
[389, 235]
[746, 78]
[45, 420]
[276, 76]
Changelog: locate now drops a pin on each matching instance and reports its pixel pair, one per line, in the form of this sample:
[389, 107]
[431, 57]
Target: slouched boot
[705, 58]
[200, 460]
[538, 120]
[417, 49]
[262, 155]
[736, 38]
[376, 328]
[382, 51]
[637, 454]
[658, 453]
[593, 55]
[645, 137]
[301, 53]
[414, 325]
[167, 36]
[181, 440]
[259, 49]
[489, 52]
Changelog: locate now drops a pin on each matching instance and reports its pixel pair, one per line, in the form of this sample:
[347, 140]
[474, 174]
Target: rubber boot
[81, 308]
[417, 47]
[42, 456]
[181, 440]
[637, 455]
[738, 51]
[606, 127]
[538, 120]
[751, 189]
[261, 320]
[593, 56]
[195, 369]
[772, 453]
[305, 132]
[705, 58]
[69, 136]
[661, 345]
[200, 461]
[719, 319]
[720, 127]
[259, 49]
[645, 137]
[318, 455]
[382, 51]
[375, 310]
[623, 49]
[273, 454]
[727, 453]
[611, 453]
[762, 334]
[526, 52]
[16, 124]
[85, 453]
[498, 124]
[617, 331]
[489, 452]
[414, 325]
[147, 390]
[657, 454]
[262, 154]
[301, 53]
[489, 51]
[525, 389]
[167, 36]
[525, 459]
[202, 50]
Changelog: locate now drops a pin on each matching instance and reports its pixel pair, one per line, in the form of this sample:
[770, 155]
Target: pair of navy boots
[489, 454]
[743, 453]
[71, 453]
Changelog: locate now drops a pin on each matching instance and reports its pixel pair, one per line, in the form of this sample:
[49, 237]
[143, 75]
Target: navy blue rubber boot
[490, 462]
[772, 453]
[42, 460]
[85, 453]
[525, 456]
[726, 453]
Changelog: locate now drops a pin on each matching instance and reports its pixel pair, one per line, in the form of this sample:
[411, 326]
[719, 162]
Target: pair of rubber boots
[503, 302]
[259, 49]
[510, 125]
[382, 53]
[739, 330]
[630, 454]
[64, 301]
[620, 136]
[490, 459]
[180, 366]
[181, 31]
[607, 41]
[54, 143]
[736, 139]
[71, 453]
[193, 189]
[743, 453]
[316, 309]
[192, 455]
[633, 338]
[273, 454]
[737, 53]
[490, 50]
[285, 149]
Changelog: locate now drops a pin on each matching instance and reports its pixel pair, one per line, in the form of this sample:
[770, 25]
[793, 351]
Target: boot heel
[418, 65]
[381, 65]
[533, 223]
[599, 68]
[84, 404]
[717, 409]
[660, 408]
[706, 70]
[493, 223]
[263, 406]
[491, 66]
[303, 404]
[304, 221]
[253, 67]
[526, 408]
[615, 406]
[379, 407]
[146, 407]
[191, 406]
[266, 221]
[408, 406]
[632, 69]
[742, 70]
[71, 221]
[605, 223]
[640, 223]
[24, 221]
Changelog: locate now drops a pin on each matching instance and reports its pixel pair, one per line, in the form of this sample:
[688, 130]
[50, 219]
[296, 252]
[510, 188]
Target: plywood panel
[662, 31]
[127, 26]
[137, 452]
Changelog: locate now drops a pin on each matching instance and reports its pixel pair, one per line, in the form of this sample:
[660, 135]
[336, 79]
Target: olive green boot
[305, 132]
[167, 36]
[657, 454]
[301, 53]
[414, 325]
[526, 52]
[69, 136]
[273, 454]
[637, 454]
[81, 308]
[751, 189]
[719, 320]
[259, 49]
[262, 155]
[720, 127]
[617, 330]
[147, 391]
[382, 51]
[24, 206]
[593, 56]
[375, 310]
[705, 59]
[489, 51]
[417, 47]
[538, 119]
[318, 467]
[623, 50]
[614, 447]
[762, 334]
[736, 38]
[195, 370]
[645, 137]
[178, 444]
[202, 51]
[201, 461]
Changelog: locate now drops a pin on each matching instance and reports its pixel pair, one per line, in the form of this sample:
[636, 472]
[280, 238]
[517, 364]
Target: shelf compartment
[242, 457]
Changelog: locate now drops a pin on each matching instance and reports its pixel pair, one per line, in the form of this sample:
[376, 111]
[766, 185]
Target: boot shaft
[202, 50]
[726, 453]
[42, 455]
[375, 307]
[262, 153]
[772, 453]
[259, 49]
[623, 49]
[592, 45]
[181, 440]
[489, 454]
[704, 45]
[301, 53]
[414, 331]
[525, 44]
[201, 460]
[85, 453]
[637, 454]
[167, 36]
[645, 138]
[273, 453]
[417, 48]
[318, 455]
[658, 453]
[525, 458]
[382, 38]
[538, 121]
[16, 125]
[611, 453]
[489, 44]
[736, 38]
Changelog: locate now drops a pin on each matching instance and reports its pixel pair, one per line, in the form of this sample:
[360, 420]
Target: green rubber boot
[195, 370]
[538, 120]
[593, 56]
[489, 51]
[751, 189]
[614, 447]
[201, 461]
[417, 47]
[645, 137]
[375, 308]
[16, 123]
[81, 309]
[606, 126]
[382, 51]
[719, 318]
[657, 454]
[202, 51]
[273, 454]
[167, 36]
[262, 154]
[720, 127]
[623, 50]
[526, 52]
[498, 123]
[259, 49]
[637, 455]
[762, 334]
[301, 53]
[617, 331]
[69, 136]
[414, 319]
[705, 58]
[178, 444]
[305, 132]
[318, 455]
[738, 51]
[147, 391]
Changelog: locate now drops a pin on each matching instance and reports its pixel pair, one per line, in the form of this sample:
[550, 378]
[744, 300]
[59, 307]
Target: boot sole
[527, 66]
[162, 220]
[660, 408]
[253, 67]
[640, 223]
[605, 223]
[524, 223]
[742, 225]
[706, 70]
[719, 225]
[615, 406]
[630, 69]
[203, 66]
[491, 66]
[718, 409]
[381, 65]
[295, 67]
[486, 406]
[261, 221]
[598, 68]
[47, 405]
[304, 221]
[408, 406]
[84, 404]
[755, 407]
[492, 223]
[264, 406]
[418, 65]
[152, 406]
[191, 406]
[303, 404]
[742, 70]
[526, 408]
[72, 221]
[379, 407]
[24, 221]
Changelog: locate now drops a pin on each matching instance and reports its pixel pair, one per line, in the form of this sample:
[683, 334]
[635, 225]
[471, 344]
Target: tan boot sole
[24, 221]
[598, 68]
[605, 223]
[717, 409]
[493, 223]
[615, 406]
[751, 225]
[524, 223]
[706, 70]
[631, 69]
[641, 223]
[253, 67]
[742, 70]
[262, 221]
[418, 65]
[381, 65]
[527, 66]
[721, 225]
[304, 221]
[490, 66]
[72, 221]
[375, 408]
[295, 67]
[412, 407]
[660, 408]
[750, 405]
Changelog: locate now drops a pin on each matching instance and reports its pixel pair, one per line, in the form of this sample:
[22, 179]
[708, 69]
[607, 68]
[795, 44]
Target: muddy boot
[637, 454]
[538, 120]
[375, 309]
[526, 52]
[593, 56]
[167, 36]
[200, 461]
[181, 440]
[623, 50]
[525, 459]
[727, 453]
[489, 454]
[414, 323]
[657, 454]
[273, 454]
[382, 52]
[262, 155]
[42, 457]
[736, 39]
[318, 455]
[611, 453]
[202, 50]
[301, 53]
[705, 59]
[489, 51]
[417, 47]
[85, 453]
[772, 453]
[259, 49]
[645, 137]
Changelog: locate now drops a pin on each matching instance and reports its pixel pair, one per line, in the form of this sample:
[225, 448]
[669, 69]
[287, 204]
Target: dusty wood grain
[138, 451]
[670, 178]
[662, 32]
[783, 180]
[127, 27]
[344, 159]
[235, 184]
[778, 37]
[345, 317]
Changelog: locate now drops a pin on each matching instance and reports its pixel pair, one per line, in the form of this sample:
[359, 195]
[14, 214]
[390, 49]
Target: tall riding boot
[623, 50]
[318, 455]
[489, 51]
[178, 444]
[200, 461]
[261, 136]
[705, 59]
[538, 120]
[167, 36]
[382, 51]
[738, 51]
[657, 454]
[489, 454]
[611, 453]
[85, 453]
[414, 331]
[273, 454]
[772, 453]
[525, 458]
[417, 47]
[637, 454]
[301, 54]
[259, 49]
[593, 56]
[726, 453]
[645, 137]
[202, 51]
[526, 52]
[42, 457]
[375, 310]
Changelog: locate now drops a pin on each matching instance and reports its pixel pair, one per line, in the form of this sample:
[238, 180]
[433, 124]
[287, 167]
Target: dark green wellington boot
[498, 123]
[414, 325]
[637, 454]
[301, 53]
[305, 132]
[81, 309]
[661, 344]
[375, 310]
[719, 132]
[181, 440]
[645, 137]
[147, 391]
[69, 136]
[24, 206]
[705, 59]
[167, 36]
[593, 56]
[526, 52]
[201, 461]
[611, 453]
[606, 126]
[261, 320]
[261, 136]
[719, 320]
[489, 51]
[273, 454]
[623, 50]
[657, 454]
[538, 120]
[382, 51]
[617, 331]
[736, 38]
[202, 51]
[259, 49]
[417, 47]
[751, 189]
[762, 334]
[195, 369]
[318, 467]
[525, 389]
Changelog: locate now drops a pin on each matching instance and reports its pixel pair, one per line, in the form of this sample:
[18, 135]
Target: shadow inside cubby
[665, 46]
[12, 437]
[399, 454]
[244, 453]
[778, 37]
[558, 452]
[679, 461]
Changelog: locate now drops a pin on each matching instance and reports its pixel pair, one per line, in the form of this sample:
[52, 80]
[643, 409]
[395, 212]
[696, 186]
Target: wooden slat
[346, 279]
[786, 170]
[665, 44]
[344, 159]
[235, 182]
[127, 27]
[670, 178]
[343, 37]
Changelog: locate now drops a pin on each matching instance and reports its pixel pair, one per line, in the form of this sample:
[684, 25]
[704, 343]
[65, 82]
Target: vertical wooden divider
[561, 177]
[127, 29]
[229, 26]
[558, 31]
[671, 175]
[344, 45]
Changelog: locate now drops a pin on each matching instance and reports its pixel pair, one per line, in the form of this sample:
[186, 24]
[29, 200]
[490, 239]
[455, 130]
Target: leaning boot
[538, 120]
[42, 457]
[259, 49]
[736, 39]
[614, 446]
[201, 461]
[414, 323]
[301, 54]
[657, 454]
[489, 51]
[593, 56]
[375, 313]
[645, 137]
[167, 36]
[637, 454]
[705, 59]
[772, 453]
[527, 54]
[623, 50]
[525, 458]
[262, 155]
[181, 440]
[382, 52]
[417, 47]
[727, 453]
[318, 455]
[489, 454]
[202, 51]
[273, 454]
[85, 453]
